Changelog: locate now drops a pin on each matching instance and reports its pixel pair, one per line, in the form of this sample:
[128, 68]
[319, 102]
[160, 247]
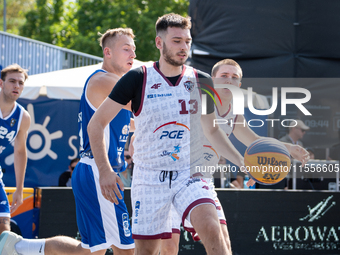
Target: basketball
[267, 161]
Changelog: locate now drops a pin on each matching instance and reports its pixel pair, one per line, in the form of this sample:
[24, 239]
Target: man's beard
[168, 57]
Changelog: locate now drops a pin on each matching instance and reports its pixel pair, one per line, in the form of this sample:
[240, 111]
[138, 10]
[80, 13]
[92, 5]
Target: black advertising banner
[260, 222]
[279, 222]
[282, 222]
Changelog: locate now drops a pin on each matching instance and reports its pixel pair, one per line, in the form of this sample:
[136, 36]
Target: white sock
[31, 246]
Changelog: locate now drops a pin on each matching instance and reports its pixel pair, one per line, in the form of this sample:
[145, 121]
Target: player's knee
[169, 248]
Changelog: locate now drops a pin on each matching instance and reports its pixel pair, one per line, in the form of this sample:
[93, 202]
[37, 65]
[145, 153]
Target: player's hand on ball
[299, 153]
[109, 188]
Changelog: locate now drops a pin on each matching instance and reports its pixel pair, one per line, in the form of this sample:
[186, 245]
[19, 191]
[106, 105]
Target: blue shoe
[7, 243]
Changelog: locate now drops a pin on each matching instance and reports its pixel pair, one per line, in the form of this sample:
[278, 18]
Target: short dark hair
[74, 160]
[113, 33]
[14, 68]
[172, 20]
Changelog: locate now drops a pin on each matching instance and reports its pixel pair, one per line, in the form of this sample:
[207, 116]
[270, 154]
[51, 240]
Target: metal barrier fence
[39, 57]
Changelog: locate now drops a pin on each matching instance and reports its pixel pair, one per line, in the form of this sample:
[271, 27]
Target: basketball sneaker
[7, 243]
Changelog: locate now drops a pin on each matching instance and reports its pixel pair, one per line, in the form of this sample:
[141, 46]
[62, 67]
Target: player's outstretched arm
[244, 134]
[219, 140]
[108, 179]
[20, 160]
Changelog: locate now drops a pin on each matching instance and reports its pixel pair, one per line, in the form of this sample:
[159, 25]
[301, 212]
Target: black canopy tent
[292, 43]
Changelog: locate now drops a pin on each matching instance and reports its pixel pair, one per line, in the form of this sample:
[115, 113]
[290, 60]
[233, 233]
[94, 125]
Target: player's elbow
[91, 127]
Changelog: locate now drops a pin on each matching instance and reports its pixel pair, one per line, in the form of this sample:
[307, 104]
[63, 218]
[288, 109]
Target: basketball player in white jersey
[14, 124]
[226, 71]
[168, 140]
[101, 223]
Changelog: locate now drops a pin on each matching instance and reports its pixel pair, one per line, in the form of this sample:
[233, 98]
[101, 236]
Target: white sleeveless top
[168, 128]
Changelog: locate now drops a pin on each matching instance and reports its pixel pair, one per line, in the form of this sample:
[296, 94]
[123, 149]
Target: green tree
[140, 15]
[75, 24]
[49, 20]
[15, 14]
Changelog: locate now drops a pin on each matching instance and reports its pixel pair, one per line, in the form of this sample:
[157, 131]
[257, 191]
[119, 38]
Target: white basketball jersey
[211, 156]
[168, 128]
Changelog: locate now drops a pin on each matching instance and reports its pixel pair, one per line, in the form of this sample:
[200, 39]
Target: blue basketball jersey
[116, 133]
[9, 127]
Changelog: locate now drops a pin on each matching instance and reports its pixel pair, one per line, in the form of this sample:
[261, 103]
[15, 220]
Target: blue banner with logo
[51, 143]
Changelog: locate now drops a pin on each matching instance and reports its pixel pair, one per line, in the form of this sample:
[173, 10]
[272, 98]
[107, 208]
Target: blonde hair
[227, 61]
[111, 34]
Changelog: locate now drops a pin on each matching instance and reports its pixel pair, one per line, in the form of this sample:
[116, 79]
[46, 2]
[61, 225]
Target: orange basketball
[267, 161]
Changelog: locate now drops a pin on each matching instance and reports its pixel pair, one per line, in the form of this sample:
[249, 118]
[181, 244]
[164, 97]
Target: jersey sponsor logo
[125, 134]
[172, 154]
[123, 138]
[159, 95]
[176, 134]
[156, 85]
[171, 123]
[125, 129]
[13, 121]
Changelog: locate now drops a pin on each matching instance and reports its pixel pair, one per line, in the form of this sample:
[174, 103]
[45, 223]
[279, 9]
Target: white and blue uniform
[100, 222]
[9, 128]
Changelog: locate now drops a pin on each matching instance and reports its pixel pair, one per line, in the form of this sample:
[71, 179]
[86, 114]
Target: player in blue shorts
[14, 124]
[101, 223]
